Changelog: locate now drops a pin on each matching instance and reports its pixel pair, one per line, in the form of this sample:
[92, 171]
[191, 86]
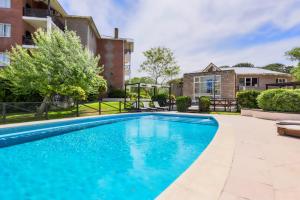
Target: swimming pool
[131, 156]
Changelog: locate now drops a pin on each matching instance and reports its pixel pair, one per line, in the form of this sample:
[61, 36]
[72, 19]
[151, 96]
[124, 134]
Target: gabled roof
[211, 68]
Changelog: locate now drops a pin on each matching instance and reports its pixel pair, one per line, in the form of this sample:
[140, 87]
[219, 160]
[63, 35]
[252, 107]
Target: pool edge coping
[207, 176]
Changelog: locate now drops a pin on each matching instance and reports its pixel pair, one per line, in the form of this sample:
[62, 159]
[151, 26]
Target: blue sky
[199, 32]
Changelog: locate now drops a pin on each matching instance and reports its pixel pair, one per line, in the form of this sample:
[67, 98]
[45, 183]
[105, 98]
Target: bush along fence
[13, 112]
[277, 100]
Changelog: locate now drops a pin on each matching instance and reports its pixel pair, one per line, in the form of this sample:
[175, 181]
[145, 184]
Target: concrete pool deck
[257, 164]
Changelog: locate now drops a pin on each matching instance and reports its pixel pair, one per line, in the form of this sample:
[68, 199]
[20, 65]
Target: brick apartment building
[20, 18]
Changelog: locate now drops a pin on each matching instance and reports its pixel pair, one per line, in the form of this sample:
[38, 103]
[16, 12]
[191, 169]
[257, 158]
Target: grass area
[84, 110]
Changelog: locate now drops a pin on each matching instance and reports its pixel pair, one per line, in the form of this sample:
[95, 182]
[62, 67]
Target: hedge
[280, 100]
[183, 103]
[116, 93]
[161, 99]
[204, 104]
[248, 99]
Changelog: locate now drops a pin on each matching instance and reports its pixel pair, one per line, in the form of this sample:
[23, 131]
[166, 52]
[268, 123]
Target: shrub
[183, 103]
[280, 100]
[248, 99]
[265, 99]
[161, 99]
[116, 93]
[204, 104]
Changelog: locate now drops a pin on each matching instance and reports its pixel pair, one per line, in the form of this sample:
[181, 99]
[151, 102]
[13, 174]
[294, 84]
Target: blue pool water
[134, 157]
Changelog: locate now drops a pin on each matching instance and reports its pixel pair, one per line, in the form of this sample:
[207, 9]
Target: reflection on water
[135, 159]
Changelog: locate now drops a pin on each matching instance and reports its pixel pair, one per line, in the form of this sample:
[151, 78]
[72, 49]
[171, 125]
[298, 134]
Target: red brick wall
[112, 55]
[12, 16]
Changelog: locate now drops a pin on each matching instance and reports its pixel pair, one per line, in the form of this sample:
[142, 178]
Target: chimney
[116, 33]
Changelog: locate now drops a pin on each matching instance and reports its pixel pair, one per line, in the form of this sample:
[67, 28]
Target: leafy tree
[160, 64]
[278, 67]
[58, 65]
[146, 80]
[246, 64]
[294, 55]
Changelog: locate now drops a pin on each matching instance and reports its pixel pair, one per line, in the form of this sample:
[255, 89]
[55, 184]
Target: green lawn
[84, 110]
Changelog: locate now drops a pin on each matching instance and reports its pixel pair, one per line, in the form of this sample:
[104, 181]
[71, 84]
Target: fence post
[120, 107]
[77, 108]
[3, 112]
[99, 107]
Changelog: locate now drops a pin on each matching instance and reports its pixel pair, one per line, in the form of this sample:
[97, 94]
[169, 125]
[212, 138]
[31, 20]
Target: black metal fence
[13, 112]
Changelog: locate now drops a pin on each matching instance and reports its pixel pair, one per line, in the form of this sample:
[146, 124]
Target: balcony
[35, 12]
[27, 40]
[38, 18]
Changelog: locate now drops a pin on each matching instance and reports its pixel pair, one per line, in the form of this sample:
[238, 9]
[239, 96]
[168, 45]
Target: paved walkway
[265, 166]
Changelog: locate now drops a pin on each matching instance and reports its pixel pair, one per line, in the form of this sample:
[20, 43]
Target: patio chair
[158, 107]
[147, 107]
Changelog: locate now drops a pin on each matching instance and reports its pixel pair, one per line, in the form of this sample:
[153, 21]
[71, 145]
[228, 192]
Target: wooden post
[77, 109]
[3, 112]
[170, 93]
[99, 107]
[139, 96]
[125, 96]
[120, 106]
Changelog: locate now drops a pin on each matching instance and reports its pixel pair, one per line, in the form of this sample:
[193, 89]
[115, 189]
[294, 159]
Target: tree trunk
[42, 108]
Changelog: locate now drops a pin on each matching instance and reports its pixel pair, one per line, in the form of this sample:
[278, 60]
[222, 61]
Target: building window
[5, 3]
[4, 59]
[5, 30]
[281, 80]
[249, 82]
[204, 86]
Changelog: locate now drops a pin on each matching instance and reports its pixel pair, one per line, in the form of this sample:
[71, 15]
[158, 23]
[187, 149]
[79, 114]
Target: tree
[160, 64]
[246, 64]
[224, 66]
[294, 55]
[58, 65]
[278, 67]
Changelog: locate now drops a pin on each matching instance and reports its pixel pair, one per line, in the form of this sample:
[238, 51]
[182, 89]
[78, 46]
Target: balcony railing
[35, 12]
[43, 13]
[27, 40]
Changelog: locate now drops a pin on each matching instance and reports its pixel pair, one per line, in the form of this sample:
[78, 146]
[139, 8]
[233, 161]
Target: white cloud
[194, 28]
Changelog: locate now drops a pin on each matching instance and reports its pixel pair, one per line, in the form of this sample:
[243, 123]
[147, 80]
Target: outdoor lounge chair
[290, 128]
[158, 107]
[147, 107]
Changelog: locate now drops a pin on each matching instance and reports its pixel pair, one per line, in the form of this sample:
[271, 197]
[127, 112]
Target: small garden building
[228, 81]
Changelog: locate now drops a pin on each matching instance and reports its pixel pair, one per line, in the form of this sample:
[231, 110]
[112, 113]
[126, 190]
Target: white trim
[5, 3]
[216, 95]
[5, 28]
[251, 81]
